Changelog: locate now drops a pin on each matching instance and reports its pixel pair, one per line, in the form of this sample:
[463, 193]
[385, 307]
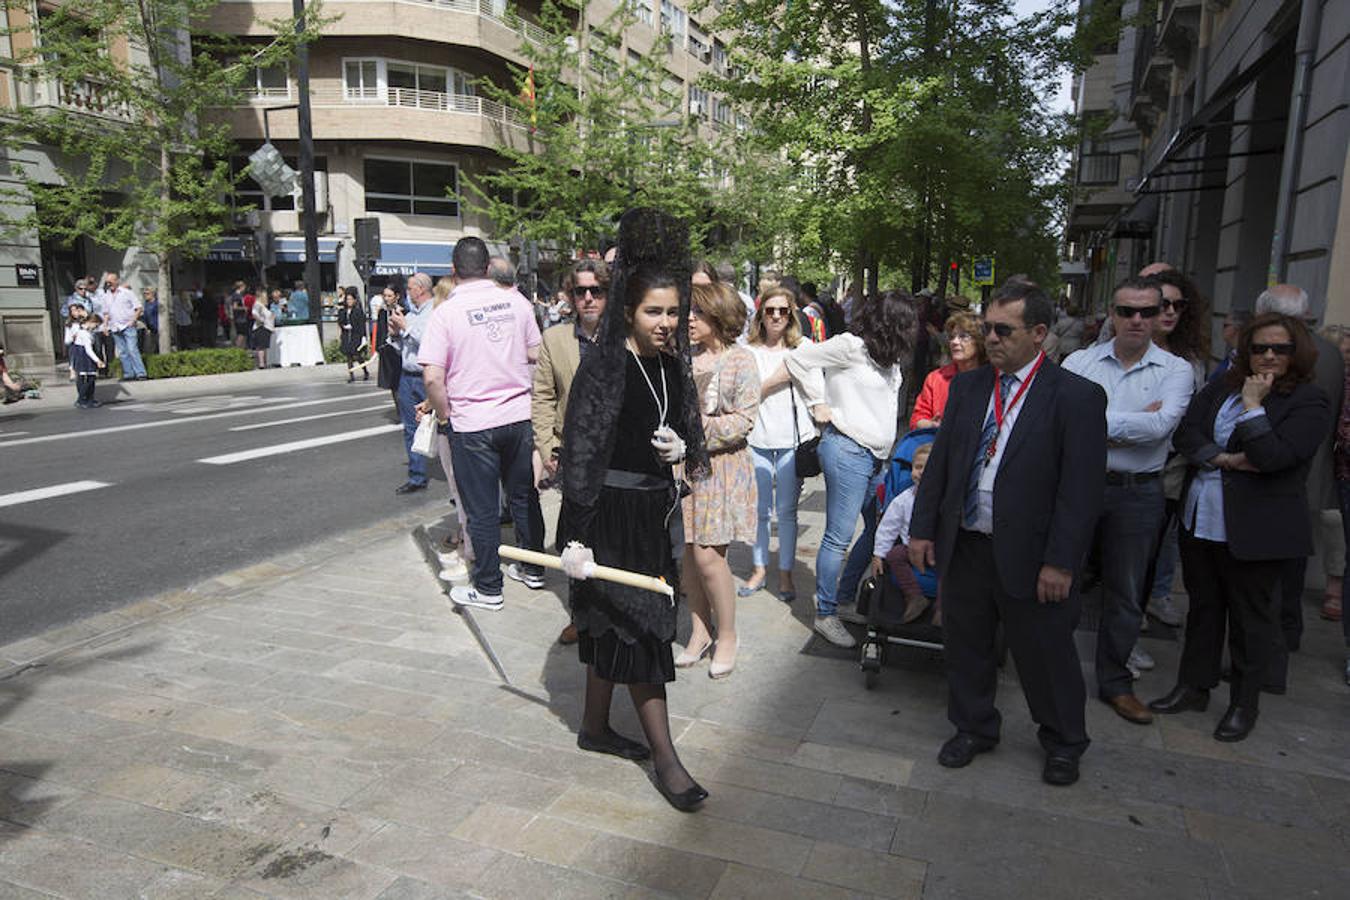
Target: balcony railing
[83, 96]
[495, 11]
[1099, 168]
[413, 98]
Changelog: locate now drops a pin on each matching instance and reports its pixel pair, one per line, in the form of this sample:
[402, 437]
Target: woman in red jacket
[965, 339]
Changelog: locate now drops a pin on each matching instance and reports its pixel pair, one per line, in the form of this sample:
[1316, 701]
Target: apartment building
[400, 121]
[1215, 137]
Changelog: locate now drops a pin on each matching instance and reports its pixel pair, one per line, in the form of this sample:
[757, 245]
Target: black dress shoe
[1060, 769]
[1235, 725]
[1181, 699]
[408, 487]
[614, 744]
[961, 749]
[685, 801]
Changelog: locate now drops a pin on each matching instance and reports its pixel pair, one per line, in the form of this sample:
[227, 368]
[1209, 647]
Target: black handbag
[806, 457]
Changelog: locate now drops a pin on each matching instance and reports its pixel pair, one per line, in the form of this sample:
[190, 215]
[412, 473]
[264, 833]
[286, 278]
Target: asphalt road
[176, 503]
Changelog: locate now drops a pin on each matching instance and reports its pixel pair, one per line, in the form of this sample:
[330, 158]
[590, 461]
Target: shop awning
[410, 257]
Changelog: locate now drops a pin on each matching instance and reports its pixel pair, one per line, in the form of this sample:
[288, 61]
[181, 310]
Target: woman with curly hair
[863, 375]
[965, 338]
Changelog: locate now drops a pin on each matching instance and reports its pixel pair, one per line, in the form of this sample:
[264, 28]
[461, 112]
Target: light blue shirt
[1203, 514]
[984, 501]
[1137, 440]
[409, 341]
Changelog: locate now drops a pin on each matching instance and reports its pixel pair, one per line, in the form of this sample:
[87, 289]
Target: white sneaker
[466, 595]
[516, 573]
[1165, 611]
[453, 570]
[832, 630]
[1140, 659]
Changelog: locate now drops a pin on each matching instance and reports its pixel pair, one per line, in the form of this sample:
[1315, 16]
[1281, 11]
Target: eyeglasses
[962, 336]
[1178, 304]
[695, 313]
[579, 292]
[776, 312]
[1129, 312]
[1002, 329]
[1277, 349]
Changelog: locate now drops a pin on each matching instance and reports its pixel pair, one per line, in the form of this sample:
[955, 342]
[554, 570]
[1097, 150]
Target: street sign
[27, 274]
[984, 270]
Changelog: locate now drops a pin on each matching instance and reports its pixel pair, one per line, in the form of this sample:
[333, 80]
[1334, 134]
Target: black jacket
[1050, 484]
[1265, 513]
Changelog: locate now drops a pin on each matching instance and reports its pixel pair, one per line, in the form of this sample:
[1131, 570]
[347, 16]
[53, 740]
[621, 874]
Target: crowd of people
[679, 416]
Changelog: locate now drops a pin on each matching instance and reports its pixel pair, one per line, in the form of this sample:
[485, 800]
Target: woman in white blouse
[861, 398]
[782, 423]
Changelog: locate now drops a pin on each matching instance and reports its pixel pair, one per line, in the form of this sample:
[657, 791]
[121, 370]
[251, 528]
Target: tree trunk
[164, 289]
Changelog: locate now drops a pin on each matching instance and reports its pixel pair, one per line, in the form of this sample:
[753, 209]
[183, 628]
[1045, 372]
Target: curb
[57, 389]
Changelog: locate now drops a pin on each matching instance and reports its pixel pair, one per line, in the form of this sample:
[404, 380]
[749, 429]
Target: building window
[699, 45]
[361, 79]
[642, 11]
[272, 82]
[721, 111]
[411, 187]
[674, 21]
[698, 102]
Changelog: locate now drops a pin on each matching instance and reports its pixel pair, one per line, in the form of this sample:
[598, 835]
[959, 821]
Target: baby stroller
[880, 599]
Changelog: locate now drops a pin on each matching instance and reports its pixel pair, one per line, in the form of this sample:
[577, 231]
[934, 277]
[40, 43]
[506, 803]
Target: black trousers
[1241, 595]
[1040, 636]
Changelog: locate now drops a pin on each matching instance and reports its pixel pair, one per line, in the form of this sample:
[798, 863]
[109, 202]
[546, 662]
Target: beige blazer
[559, 358]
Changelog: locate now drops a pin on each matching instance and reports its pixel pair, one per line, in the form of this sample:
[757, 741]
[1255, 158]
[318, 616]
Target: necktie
[1005, 383]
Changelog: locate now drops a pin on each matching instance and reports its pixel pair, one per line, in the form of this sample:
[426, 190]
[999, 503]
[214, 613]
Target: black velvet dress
[626, 633]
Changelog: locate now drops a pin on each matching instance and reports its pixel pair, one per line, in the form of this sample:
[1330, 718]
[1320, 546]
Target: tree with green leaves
[922, 124]
[604, 134]
[120, 94]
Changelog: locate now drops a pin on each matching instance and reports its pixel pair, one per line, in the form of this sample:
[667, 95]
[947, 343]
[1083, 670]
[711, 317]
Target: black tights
[650, 702]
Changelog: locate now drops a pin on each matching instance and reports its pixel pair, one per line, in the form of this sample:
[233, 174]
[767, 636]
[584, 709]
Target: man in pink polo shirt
[476, 355]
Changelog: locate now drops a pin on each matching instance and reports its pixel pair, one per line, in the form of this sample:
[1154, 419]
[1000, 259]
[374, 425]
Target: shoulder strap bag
[806, 457]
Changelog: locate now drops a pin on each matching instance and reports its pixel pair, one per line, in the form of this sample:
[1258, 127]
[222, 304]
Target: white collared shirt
[1137, 439]
[984, 509]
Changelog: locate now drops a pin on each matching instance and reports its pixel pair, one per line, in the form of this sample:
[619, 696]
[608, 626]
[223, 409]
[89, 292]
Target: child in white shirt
[891, 547]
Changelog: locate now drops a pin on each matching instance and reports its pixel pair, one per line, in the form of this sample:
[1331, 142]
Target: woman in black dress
[633, 413]
[352, 322]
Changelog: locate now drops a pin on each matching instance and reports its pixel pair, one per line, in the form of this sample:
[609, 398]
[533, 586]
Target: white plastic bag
[424, 441]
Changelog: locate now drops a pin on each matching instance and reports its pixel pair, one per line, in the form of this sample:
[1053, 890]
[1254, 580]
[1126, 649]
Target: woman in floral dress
[721, 509]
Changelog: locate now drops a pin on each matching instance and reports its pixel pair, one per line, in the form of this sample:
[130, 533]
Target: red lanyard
[998, 404]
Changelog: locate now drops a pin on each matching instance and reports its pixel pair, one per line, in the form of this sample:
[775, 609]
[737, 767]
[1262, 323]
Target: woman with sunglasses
[965, 341]
[783, 422]
[1248, 440]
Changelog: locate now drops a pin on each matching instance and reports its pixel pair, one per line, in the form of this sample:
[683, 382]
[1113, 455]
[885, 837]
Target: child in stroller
[890, 554]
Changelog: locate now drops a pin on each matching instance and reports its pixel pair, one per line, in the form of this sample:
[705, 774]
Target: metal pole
[313, 283]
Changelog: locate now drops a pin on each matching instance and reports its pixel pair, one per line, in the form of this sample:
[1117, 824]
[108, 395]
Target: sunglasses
[1001, 329]
[1178, 304]
[776, 312]
[1277, 349]
[1147, 312]
[579, 292]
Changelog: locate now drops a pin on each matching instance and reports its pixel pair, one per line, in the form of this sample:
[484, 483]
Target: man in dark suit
[1006, 511]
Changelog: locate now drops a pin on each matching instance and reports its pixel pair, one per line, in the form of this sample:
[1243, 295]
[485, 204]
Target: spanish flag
[528, 96]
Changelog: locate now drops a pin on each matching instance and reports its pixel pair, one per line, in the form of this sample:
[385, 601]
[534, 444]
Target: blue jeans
[849, 481]
[410, 393]
[483, 460]
[126, 341]
[860, 557]
[776, 482]
[1128, 527]
[1166, 569]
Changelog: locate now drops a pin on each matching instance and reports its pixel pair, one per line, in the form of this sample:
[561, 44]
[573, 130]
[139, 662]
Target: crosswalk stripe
[342, 412]
[114, 429]
[46, 493]
[292, 446]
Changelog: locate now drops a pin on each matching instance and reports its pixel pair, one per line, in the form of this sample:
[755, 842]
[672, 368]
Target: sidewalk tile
[433, 858]
[29, 801]
[662, 869]
[880, 874]
[304, 873]
[740, 882]
[883, 767]
[513, 878]
[1241, 836]
[430, 807]
[411, 889]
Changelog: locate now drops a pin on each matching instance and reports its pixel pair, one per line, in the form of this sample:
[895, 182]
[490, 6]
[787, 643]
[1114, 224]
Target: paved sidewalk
[323, 725]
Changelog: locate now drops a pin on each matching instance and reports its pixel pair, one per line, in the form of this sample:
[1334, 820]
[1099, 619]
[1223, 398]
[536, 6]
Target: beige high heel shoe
[687, 660]
[717, 671]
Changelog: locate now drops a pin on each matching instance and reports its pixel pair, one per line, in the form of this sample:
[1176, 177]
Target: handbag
[424, 441]
[806, 457]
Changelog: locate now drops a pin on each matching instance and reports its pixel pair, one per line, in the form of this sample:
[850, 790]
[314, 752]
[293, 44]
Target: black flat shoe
[685, 801]
[1235, 725]
[959, 750]
[1181, 699]
[408, 488]
[614, 744]
[1060, 770]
